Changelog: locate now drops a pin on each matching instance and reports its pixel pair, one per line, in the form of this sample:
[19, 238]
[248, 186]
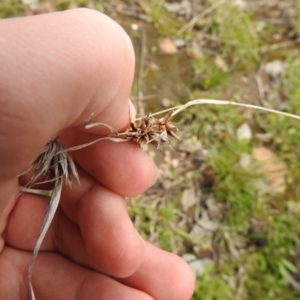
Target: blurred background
[228, 195]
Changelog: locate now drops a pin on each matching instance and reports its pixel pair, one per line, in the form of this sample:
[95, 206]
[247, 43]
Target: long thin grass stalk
[179, 108]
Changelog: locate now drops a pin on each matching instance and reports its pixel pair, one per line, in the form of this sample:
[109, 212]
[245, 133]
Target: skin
[59, 71]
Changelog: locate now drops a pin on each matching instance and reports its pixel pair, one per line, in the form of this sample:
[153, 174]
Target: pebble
[198, 265]
[182, 8]
[274, 68]
[31, 3]
[244, 132]
[245, 160]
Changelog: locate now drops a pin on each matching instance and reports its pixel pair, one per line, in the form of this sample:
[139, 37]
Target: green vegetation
[11, 8]
[254, 203]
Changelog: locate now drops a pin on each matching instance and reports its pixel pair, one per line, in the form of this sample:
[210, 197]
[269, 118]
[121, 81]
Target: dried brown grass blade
[53, 164]
[55, 197]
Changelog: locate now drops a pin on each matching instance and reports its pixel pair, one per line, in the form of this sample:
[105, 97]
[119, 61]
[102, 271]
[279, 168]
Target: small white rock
[244, 132]
[190, 145]
[201, 265]
[189, 197]
[31, 3]
[199, 232]
[245, 160]
[241, 4]
[166, 102]
[206, 223]
[182, 8]
[134, 26]
[274, 68]
[180, 43]
[189, 257]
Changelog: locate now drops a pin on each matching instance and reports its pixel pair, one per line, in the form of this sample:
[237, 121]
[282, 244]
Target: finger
[100, 235]
[9, 190]
[58, 70]
[110, 239]
[122, 167]
[57, 278]
[114, 249]
[163, 275]
[160, 274]
[112, 246]
[13, 267]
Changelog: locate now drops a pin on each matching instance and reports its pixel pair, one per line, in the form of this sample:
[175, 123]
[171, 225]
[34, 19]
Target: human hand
[57, 71]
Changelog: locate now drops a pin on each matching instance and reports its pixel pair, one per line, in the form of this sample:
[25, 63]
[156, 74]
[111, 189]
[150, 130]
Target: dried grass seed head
[53, 164]
[152, 131]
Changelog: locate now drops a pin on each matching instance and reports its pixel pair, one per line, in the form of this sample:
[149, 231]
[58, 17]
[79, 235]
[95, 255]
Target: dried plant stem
[55, 197]
[36, 191]
[179, 108]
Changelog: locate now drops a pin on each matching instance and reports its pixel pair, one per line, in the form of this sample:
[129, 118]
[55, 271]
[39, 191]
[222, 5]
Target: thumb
[59, 70]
